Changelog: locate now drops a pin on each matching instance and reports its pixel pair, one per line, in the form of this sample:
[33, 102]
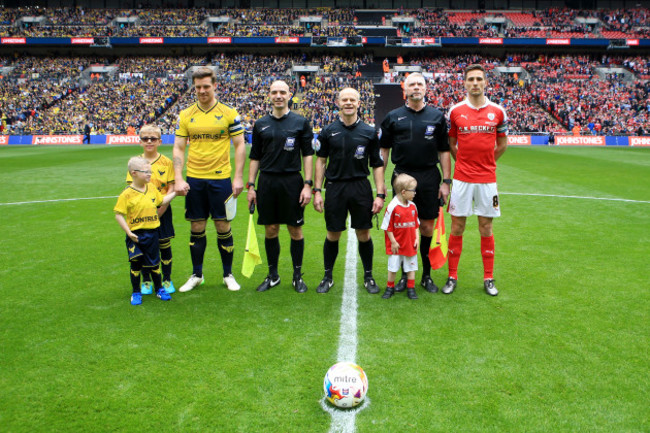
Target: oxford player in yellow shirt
[162, 176]
[208, 126]
[138, 215]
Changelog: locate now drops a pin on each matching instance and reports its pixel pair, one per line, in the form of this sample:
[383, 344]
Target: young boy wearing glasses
[400, 226]
[162, 176]
[137, 212]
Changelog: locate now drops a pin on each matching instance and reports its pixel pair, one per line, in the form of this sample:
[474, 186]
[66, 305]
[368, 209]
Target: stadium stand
[603, 93]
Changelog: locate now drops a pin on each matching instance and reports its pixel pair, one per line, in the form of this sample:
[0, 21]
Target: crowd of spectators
[155, 66]
[47, 31]
[454, 31]
[555, 93]
[245, 30]
[639, 65]
[552, 22]
[81, 16]
[186, 31]
[334, 31]
[46, 96]
[171, 17]
[319, 98]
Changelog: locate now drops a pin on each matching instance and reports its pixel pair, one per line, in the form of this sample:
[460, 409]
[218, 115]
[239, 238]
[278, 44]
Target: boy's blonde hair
[404, 181]
[152, 128]
[136, 163]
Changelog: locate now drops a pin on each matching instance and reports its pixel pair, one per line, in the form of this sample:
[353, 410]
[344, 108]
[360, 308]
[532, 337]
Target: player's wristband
[382, 196]
[447, 181]
[315, 190]
[309, 182]
[249, 185]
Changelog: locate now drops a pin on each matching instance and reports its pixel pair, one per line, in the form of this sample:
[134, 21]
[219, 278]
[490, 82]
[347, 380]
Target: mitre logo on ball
[345, 385]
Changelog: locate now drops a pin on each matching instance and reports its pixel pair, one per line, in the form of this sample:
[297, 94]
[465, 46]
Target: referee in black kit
[280, 139]
[417, 135]
[350, 145]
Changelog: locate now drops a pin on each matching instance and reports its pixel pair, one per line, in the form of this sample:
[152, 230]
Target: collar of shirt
[284, 116]
[416, 111]
[354, 125]
[487, 101]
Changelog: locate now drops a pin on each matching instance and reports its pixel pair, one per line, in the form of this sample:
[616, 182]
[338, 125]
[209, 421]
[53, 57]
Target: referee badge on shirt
[360, 152]
[428, 134]
[290, 144]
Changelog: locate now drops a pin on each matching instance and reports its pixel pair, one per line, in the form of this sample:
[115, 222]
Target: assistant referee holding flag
[417, 135]
[350, 145]
[281, 140]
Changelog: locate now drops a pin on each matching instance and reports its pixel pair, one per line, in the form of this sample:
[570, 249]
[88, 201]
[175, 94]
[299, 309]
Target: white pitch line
[344, 421]
[575, 196]
[504, 193]
[57, 200]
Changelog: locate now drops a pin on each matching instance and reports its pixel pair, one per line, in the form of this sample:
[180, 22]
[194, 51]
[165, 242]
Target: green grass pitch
[563, 348]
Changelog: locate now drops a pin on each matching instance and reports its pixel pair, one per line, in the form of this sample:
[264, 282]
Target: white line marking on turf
[343, 421]
[575, 196]
[336, 411]
[348, 331]
[57, 200]
[504, 193]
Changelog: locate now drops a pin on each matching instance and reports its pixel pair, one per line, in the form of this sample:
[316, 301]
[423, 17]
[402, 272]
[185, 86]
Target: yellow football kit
[209, 134]
[140, 208]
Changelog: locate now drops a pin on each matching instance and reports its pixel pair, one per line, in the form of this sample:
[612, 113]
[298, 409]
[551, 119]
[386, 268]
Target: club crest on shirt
[491, 116]
[290, 144]
[428, 134]
[360, 152]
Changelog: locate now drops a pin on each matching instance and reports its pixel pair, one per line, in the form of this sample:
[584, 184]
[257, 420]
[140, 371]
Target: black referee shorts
[354, 196]
[426, 193]
[278, 199]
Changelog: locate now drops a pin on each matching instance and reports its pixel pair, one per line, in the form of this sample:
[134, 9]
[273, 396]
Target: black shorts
[354, 196]
[207, 197]
[426, 193]
[278, 199]
[146, 249]
[166, 229]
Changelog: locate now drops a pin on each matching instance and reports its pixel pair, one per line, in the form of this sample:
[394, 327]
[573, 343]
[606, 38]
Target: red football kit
[403, 222]
[476, 129]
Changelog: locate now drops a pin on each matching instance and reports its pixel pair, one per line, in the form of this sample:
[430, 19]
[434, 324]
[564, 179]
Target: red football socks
[487, 252]
[455, 248]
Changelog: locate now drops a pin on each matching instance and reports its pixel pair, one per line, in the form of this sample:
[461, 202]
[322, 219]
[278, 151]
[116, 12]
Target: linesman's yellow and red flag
[438, 251]
[252, 256]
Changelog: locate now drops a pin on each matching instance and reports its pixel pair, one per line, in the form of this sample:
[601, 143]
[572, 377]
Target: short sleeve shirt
[403, 222]
[415, 137]
[140, 208]
[349, 149]
[476, 129]
[209, 133]
[280, 143]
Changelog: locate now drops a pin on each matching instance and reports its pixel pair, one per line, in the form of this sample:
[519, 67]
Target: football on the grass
[345, 384]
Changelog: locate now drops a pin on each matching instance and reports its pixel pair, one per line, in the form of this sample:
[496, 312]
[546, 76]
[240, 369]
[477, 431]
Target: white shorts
[469, 199]
[395, 263]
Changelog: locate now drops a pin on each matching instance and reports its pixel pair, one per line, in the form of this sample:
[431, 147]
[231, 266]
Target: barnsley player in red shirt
[477, 138]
